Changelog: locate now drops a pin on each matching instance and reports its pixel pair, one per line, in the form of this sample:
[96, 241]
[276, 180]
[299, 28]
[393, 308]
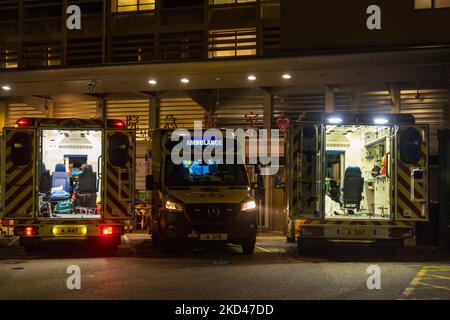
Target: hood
[189, 195]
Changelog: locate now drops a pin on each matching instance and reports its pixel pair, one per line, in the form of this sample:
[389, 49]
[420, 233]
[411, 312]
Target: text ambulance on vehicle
[68, 180]
[356, 178]
[199, 201]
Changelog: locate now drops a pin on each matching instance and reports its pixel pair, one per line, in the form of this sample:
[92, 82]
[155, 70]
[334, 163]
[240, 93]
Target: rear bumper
[175, 227]
[85, 241]
[353, 231]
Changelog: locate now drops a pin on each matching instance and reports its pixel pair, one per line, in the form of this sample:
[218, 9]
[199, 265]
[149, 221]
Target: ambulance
[199, 201]
[356, 179]
[68, 180]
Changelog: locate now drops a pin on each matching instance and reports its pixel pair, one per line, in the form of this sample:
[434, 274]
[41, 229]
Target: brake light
[401, 232]
[22, 122]
[109, 230]
[312, 231]
[119, 124]
[26, 231]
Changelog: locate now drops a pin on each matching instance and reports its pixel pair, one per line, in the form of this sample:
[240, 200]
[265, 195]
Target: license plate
[213, 237]
[356, 232]
[61, 231]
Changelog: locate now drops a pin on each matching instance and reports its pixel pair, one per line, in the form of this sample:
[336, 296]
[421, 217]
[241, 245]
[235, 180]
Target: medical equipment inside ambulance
[69, 164]
[357, 177]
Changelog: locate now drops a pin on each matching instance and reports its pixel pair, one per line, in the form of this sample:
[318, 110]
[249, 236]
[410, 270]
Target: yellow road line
[415, 281]
[439, 277]
[265, 250]
[434, 286]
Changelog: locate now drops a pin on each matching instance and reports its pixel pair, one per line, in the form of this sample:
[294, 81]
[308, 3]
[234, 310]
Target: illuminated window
[10, 60]
[135, 5]
[232, 43]
[229, 1]
[431, 4]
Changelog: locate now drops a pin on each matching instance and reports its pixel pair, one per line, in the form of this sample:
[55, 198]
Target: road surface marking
[265, 250]
[415, 281]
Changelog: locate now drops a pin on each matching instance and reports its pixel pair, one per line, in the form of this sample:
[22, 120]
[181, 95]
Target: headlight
[248, 205]
[173, 206]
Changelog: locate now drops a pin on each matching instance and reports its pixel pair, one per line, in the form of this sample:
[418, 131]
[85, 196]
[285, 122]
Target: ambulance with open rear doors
[356, 179]
[67, 180]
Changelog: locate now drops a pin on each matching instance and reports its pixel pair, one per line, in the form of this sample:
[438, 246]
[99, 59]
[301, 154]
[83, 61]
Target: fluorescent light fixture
[185, 80]
[335, 120]
[153, 82]
[381, 121]
[251, 77]
[287, 76]
[6, 87]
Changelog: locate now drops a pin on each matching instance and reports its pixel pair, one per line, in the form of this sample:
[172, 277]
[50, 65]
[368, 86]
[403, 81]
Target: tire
[248, 247]
[289, 239]
[166, 248]
[32, 248]
[155, 238]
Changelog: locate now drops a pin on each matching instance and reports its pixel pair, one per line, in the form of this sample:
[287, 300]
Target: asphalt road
[275, 271]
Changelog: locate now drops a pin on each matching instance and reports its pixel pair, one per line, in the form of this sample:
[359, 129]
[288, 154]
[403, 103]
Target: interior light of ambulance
[335, 120]
[381, 121]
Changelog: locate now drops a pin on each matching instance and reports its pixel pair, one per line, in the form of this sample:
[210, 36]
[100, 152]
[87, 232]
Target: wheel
[155, 238]
[248, 247]
[32, 248]
[289, 239]
[166, 248]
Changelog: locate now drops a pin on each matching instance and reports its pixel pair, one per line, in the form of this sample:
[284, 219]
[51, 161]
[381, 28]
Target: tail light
[109, 231]
[25, 122]
[401, 232]
[26, 231]
[312, 231]
[118, 124]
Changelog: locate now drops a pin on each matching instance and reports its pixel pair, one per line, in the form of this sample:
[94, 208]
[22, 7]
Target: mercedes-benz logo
[213, 212]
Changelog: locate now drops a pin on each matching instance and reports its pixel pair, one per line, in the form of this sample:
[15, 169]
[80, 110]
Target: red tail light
[119, 124]
[26, 231]
[22, 122]
[312, 231]
[109, 231]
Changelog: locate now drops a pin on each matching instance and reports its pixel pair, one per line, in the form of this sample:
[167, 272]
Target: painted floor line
[414, 282]
[265, 250]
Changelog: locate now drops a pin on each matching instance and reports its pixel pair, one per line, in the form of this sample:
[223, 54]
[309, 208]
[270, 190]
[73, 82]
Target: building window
[135, 5]
[431, 4]
[214, 2]
[9, 60]
[232, 43]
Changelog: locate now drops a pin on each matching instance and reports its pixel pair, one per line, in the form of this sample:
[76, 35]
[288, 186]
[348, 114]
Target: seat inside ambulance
[71, 189]
[357, 175]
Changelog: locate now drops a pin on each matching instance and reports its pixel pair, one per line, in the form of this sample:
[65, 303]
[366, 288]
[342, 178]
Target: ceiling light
[335, 120]
[287, 76]
[251, 77]
[381, 121]
[152, 82]
[185, 80]
[6, 87]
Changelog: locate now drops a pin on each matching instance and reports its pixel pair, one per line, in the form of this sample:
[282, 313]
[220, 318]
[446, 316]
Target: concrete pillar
[154, 109]
[268, 180]
[3, 109]
[395, 94]
[330, 101]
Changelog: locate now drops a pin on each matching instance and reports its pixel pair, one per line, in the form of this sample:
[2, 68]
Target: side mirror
[278, 182]
[149, 183]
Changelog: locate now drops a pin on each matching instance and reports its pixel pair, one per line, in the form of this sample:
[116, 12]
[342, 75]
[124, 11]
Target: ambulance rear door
[304, 156]
[411, 173]
[119, 173]
[18, 173]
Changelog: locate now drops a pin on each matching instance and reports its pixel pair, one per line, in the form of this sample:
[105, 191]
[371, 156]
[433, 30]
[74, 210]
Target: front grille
[212, 212]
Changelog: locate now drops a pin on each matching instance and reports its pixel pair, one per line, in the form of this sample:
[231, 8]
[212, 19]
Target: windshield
[193, 173]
